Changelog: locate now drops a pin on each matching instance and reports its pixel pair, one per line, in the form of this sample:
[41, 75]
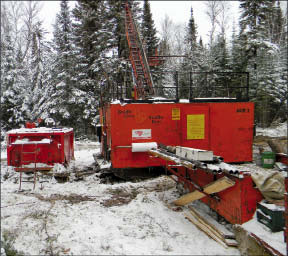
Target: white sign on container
[141, 134]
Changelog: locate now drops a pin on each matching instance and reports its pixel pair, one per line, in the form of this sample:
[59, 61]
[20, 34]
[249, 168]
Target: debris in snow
[59, 168]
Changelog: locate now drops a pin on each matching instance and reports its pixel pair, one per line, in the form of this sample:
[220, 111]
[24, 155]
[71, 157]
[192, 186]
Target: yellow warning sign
[175, 113]
[195, 127]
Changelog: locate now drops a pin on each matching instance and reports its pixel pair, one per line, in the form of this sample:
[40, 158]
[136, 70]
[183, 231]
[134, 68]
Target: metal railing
[193, 86]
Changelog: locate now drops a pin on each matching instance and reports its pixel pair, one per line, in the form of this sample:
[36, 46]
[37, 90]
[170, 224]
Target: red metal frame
[137, 57]
[155, 60]
[236, 204]
[286, 213]
[58, 147]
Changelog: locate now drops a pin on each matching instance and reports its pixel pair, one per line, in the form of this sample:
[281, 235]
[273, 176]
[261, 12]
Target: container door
[195, 126]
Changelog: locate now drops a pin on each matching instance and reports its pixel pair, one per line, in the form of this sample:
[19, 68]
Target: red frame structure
[47, 146]
[236, 204]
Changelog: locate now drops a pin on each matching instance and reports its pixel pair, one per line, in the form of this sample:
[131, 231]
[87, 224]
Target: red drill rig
[137, 131]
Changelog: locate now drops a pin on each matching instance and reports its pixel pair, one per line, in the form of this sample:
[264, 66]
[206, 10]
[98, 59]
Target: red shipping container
[43, 146]
[226, 128]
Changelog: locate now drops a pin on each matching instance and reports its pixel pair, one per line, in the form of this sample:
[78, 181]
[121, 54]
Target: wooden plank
[188, 198]
[219, 185]
[205, 230]
[32, 169]
[215, 232]
[214, 229]
[214, 187]
[226, 234]
[197, 215]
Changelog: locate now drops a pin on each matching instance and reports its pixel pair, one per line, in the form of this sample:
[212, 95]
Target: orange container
[226, 128]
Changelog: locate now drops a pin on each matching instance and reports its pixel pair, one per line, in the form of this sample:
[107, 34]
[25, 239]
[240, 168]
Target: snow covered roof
[159, 100]
[40, 130]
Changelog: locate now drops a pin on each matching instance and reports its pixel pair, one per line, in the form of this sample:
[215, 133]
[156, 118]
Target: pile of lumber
[223, 237]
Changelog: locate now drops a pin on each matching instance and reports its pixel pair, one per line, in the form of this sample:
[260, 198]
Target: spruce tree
[94, 39]
[12, 90]
[150, 42]
[58, 104]
[258, 50]
[36, 75]
[191, 34]
[148, 30]
[189, 64]
[278, 33]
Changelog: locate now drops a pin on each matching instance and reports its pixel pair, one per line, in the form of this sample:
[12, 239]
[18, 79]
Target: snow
[32, 165]
[39, 130]
[48, 221]
[278, 131]
[215, 98]
[184, 101]
[88, 217]
[273, 207]
[27, 141]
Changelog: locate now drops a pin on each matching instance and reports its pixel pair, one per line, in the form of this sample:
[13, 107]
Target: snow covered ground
[278, 131]
[89, 218]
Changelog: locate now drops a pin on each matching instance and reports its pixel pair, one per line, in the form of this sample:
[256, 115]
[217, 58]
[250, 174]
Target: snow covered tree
[191, 34]
[150, 41]
[256, 44]
[57, 106]
[11, 90]
[94, 40]
[190, 63]
[34, 82]
[148, 30]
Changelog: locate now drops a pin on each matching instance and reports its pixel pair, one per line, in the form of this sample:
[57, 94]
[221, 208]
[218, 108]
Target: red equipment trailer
[39, 148]
[222, 125]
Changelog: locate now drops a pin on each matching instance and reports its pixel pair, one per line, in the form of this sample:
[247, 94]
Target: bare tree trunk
[213, 9]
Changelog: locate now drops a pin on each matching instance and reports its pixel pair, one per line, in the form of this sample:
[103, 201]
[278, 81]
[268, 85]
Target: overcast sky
[178, 12]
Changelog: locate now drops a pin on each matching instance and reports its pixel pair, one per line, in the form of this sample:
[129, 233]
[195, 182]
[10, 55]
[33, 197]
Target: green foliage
[148, 30]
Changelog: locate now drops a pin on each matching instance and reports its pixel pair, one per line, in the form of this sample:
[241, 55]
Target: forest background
[63, 80]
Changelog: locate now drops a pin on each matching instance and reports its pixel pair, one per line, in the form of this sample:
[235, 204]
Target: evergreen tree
[148, 30]
[34, 77]
[94, 39]
[11, 87]
[58, 104]
[150, 42]
[191, 34]
[7, 63]
[190, 63]
[256, 45]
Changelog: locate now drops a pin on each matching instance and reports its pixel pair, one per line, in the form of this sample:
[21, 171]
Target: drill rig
[136, 133]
